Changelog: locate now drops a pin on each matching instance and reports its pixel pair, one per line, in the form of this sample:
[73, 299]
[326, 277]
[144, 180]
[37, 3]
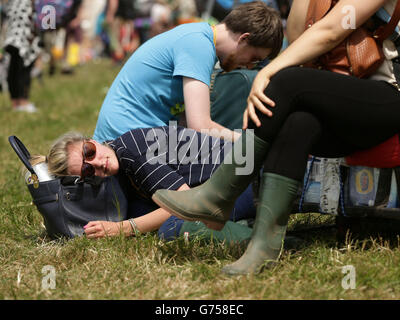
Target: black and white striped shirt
[168, 157]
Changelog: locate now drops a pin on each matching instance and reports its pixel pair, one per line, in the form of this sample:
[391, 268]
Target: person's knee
[282, 89]
[301, 122]
[285, 80]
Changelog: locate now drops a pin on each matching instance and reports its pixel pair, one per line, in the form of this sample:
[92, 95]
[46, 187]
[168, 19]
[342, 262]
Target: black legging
[324, 114]
[19, 75]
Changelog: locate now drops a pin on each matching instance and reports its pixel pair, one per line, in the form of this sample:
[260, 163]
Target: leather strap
[214, 30]
[46, 199]
[21, 151]
[317, 9]
[385, 31]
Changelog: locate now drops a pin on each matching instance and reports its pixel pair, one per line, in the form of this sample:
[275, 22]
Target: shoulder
[138, 141]
[194, 32]
[125, 141]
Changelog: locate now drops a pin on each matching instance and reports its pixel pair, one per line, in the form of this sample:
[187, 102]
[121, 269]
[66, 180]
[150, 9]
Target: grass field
[145, 267]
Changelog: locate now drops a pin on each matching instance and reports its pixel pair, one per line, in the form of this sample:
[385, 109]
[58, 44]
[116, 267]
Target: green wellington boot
[276, 200]
[214, 200]
[232, 232]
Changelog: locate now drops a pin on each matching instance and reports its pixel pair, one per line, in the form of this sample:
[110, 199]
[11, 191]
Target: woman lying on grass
[145, 160]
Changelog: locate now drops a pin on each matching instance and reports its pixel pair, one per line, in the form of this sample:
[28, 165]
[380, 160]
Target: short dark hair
[262, 22]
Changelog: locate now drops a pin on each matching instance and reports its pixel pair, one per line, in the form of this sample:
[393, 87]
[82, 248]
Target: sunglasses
[88, 153]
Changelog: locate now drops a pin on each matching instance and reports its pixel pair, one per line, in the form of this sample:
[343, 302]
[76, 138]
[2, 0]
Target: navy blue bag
[67, 203]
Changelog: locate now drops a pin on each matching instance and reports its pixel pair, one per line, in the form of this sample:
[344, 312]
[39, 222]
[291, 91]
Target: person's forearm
[197, 110]
[323, 36]
[310, 45]
[227, 134]
[150, 221]
[126, 228]
[147, 223]
[214, 129]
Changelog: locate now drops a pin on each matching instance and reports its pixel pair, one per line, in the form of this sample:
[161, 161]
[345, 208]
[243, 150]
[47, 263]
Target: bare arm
[146, 223]
[319, 39]
[297, 19]
[197, 109]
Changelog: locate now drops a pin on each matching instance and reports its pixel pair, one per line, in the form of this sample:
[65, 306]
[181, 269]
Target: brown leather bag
[360, 54]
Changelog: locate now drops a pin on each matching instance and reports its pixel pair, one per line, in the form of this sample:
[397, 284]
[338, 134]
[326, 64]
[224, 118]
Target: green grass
[145, 267]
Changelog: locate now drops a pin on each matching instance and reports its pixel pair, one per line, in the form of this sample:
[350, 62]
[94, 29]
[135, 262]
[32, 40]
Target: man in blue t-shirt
[171, 72]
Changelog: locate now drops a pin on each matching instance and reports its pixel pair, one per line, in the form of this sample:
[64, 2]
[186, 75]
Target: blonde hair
[36, 159]
[57, 158]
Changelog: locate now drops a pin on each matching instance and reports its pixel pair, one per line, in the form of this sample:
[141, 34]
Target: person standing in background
[120, 15]
[22, 43]
[72, 24]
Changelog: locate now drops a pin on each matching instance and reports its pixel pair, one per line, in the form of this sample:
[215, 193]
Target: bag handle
[21, 151]
[317, 9]
[385, 31]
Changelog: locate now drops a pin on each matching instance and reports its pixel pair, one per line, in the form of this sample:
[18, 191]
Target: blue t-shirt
[148, 91]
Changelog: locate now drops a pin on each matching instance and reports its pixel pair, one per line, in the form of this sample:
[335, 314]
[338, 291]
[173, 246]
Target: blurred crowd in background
[35, 39]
